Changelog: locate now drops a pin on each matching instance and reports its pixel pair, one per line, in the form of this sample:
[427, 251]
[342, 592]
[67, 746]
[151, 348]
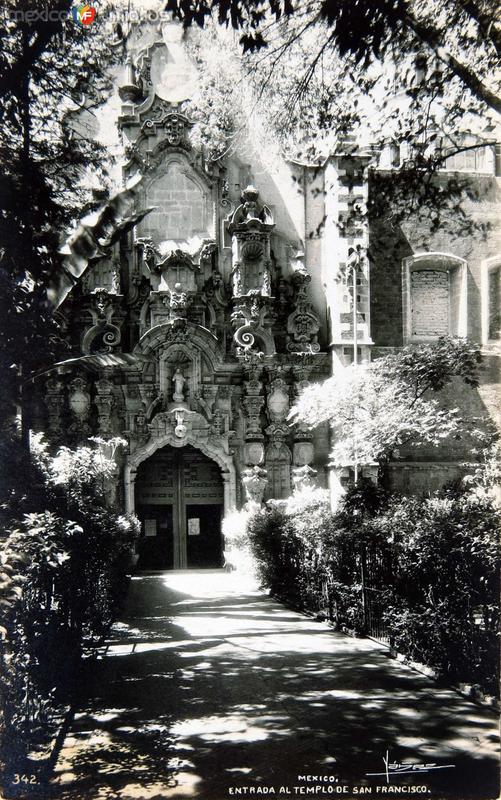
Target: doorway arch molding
[213, 450]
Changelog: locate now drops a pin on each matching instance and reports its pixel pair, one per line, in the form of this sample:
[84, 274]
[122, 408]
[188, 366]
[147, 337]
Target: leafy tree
[464, 36]
[375, 409]
[50, 70]
[410, 86]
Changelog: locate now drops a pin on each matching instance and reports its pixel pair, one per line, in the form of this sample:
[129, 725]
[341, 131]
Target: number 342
[24, 779]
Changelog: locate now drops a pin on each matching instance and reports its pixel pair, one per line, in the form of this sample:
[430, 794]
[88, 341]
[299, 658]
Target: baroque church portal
[208, 295]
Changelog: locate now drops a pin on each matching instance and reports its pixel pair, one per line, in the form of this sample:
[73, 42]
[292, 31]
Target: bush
[434, 562]
[445, 611]
[63, 574]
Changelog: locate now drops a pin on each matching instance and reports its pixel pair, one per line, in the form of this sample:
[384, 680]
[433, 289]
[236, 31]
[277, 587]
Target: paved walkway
[208, 687]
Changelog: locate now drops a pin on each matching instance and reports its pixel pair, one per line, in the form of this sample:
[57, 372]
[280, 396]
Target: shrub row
[434, 562]
[63, 572]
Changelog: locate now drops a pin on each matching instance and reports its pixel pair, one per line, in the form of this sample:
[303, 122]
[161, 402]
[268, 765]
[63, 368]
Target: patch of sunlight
[134, 791]
[209, 584]
[233, 728]
[344, 694]
[475, 737]
[65, 777]
[240, 770]
[411, 741]
[152, 727]
[412, 713]
[295, 642]
[119, 650]
[225, 626]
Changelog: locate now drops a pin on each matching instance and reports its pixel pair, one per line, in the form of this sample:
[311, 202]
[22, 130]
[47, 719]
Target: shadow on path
[207, 684]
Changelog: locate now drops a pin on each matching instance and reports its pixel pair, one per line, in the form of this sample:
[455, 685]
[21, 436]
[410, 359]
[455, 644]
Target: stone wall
[470, 228]
[181, 207]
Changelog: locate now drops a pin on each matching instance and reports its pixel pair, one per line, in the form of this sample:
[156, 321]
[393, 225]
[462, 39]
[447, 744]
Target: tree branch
[430, 37]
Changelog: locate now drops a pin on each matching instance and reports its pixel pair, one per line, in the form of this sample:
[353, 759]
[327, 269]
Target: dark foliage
[435, 562]
[63, 575]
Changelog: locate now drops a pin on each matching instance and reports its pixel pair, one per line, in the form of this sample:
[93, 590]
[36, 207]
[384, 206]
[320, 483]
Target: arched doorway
[179, 500]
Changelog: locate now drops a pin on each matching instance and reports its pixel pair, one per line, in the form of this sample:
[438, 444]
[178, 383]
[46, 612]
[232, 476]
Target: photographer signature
[393, 768]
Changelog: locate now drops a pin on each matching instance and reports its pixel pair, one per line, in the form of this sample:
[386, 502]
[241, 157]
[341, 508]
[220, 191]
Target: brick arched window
[434, 296]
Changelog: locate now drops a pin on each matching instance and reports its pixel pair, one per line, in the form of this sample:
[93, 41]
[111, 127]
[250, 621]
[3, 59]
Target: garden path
[206, 684]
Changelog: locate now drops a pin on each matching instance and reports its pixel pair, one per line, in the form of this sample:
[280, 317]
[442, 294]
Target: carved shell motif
[252, 251]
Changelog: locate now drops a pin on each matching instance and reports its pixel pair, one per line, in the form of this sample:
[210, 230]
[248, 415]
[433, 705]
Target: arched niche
[434, 291]
[182, 200]
[278, 459]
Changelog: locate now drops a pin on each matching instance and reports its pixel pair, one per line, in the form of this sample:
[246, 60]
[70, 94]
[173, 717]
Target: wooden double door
[179, 500]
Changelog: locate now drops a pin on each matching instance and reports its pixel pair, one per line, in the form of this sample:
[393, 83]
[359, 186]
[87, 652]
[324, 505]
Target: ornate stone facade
[208, 296]
[197, 325]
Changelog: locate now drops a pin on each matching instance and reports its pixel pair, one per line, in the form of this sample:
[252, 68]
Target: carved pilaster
[79, 402]
[278, 403]
[104, 401]
[303, 324]
[141, 429]
[54, 400]
[253, 406]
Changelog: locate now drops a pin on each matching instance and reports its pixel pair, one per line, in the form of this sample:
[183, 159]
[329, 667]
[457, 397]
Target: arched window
[434, 296]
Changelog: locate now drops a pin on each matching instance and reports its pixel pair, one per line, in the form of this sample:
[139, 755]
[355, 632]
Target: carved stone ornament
[79, 402]
[278, 431]
[54, 400]
[178, 302]
[252, 321]
[173, 126]
[141, 429]
[79, 398]
[303, 478]
[252, 406]
[254, 481]
[254, 453]
[104, 402]
[250, 211]
[180, 430]
[278, 400]
[303, 325]
[303, 453]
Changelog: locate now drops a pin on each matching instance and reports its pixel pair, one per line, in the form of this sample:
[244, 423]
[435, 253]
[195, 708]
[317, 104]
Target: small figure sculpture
[179, 381]
[266, 287]
[237, 281]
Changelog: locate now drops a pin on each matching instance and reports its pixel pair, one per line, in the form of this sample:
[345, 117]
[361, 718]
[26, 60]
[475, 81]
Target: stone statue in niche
[179, 380]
